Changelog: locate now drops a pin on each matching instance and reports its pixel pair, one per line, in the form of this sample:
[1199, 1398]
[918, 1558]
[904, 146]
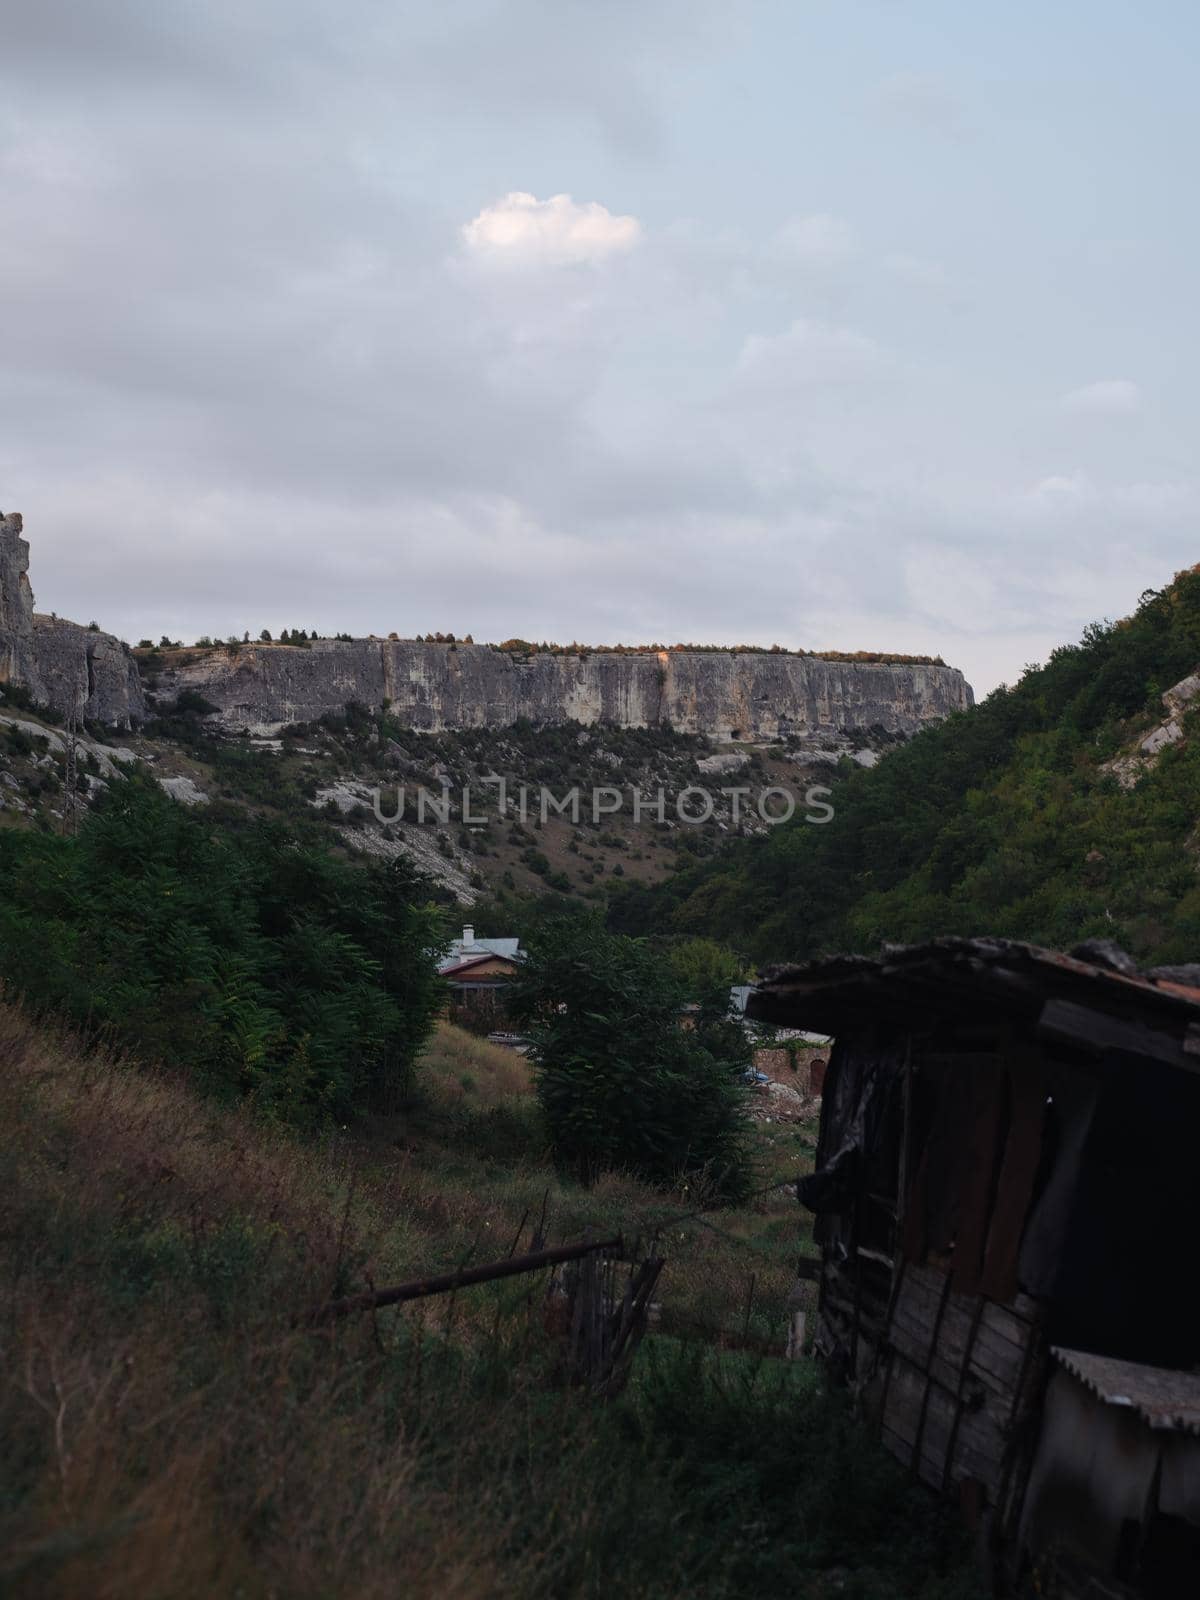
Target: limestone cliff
[727, 695]
[17, 659]
[61, 664]
[724, 694]
[88, 671]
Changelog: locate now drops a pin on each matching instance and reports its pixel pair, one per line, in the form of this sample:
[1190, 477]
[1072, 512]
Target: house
[792, 1055]
[478, 971]
[1007, 1195]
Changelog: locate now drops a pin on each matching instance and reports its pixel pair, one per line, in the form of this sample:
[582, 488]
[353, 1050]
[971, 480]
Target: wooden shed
[1006, 1169]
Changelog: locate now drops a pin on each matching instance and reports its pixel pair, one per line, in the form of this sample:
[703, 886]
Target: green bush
[264, 966]
[626, 1080]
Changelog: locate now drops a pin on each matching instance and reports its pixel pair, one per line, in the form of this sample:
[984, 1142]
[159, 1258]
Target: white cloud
[1062, 489]
[1111, 397]
[556, 232]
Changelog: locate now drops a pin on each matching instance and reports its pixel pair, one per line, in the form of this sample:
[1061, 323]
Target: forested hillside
[1006, 819]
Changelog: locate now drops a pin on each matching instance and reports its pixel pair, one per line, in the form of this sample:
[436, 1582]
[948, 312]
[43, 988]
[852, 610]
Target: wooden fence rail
[465, 1277]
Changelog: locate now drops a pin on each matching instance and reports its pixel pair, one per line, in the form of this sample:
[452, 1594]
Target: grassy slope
[171, 1429]
[1002, 820]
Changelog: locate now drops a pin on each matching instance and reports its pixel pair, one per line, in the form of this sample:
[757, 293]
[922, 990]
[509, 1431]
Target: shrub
[191, 703]
[707, 970]
[264, 966]
[623, 1083]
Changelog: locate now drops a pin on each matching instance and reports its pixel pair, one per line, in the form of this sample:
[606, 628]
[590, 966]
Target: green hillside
[1002, 820]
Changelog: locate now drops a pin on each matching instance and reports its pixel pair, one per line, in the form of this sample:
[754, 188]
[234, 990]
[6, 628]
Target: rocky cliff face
[63, 665]
[88, 671]
[763, 697]
[17, 660]
[726, 695]
[435, 687]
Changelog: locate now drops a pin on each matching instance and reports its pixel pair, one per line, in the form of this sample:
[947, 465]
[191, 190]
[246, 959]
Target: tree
[707, 970]
[627, 1080]
[257, 962]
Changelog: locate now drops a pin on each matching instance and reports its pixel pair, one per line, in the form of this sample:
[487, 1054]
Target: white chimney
[468, 937]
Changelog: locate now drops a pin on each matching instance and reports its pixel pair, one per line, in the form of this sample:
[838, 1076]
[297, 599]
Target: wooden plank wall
[955, 1368]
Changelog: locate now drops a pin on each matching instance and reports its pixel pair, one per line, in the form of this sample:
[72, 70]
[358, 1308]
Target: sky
[849, 324]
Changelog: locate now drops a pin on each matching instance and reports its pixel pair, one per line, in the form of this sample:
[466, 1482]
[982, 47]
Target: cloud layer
[558, 322]
[1110, 397]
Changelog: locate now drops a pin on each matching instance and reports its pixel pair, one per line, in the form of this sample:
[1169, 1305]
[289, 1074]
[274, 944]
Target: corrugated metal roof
[461, 952]
[1166, 1400]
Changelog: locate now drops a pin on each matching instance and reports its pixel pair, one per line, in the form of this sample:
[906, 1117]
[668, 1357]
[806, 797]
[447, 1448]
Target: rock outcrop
[18, 662]
[1132, 765]
[88, 671]
[725, 694]
[62, 665]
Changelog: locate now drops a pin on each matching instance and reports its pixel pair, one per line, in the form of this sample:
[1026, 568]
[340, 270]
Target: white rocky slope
[1132, 765]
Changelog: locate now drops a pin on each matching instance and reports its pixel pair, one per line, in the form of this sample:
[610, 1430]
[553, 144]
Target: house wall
[1113, 1506]
[803, 1069]
[957, 1368]
[1093, 1473]
[497, 968]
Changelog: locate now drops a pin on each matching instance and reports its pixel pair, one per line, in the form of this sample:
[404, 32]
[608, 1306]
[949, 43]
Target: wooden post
[796, 1335]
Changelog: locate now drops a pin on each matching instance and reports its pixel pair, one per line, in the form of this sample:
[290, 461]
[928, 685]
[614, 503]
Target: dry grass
[173, 1427]
[153, 1252]
[156, 1251]
[460, 1067]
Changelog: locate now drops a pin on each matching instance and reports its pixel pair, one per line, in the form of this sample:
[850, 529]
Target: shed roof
[1095, 995]
[1166, 1401]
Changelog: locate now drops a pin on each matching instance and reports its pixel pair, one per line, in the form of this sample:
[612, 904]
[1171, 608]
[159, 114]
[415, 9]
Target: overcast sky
[865, 324]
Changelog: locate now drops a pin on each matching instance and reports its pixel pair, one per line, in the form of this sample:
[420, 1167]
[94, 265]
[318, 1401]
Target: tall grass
[172, 1426]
